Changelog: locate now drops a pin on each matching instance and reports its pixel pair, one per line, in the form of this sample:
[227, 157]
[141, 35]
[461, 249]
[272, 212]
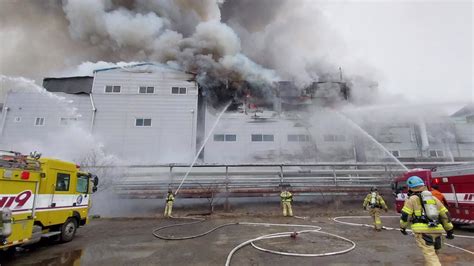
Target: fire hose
[336, 219]
[312, 229]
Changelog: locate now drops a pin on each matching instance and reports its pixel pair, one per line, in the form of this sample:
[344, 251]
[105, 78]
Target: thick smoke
[257, 41]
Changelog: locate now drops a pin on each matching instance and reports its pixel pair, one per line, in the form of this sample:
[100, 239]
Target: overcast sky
[422, 49]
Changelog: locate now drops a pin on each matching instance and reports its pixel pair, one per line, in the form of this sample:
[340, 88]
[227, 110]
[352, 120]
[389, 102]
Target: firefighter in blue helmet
[429, 219]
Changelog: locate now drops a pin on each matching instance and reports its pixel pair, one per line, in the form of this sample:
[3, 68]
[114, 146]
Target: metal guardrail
[257, 179]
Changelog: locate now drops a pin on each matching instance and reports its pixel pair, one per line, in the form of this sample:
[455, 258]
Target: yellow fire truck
[41, 198]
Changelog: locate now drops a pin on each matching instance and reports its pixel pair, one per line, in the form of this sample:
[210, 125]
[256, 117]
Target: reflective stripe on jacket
[379, 202]
[286, 196]
[412, 213]
[170, 197]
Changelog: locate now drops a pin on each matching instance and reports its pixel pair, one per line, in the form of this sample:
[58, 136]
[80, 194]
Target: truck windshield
[400, 186]
[82, 183]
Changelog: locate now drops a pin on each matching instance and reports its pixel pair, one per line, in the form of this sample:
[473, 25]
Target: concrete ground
[129, 241]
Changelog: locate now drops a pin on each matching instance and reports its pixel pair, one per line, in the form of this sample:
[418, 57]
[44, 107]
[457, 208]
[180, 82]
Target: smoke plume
[259, 41]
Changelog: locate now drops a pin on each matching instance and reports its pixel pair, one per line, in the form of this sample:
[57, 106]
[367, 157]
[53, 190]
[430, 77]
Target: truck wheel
[68, 230]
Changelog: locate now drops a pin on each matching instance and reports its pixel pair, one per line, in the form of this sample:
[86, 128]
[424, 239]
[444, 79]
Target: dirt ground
[129, 241]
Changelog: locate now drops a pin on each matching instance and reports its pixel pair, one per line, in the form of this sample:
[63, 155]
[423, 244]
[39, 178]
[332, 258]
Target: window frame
[113, 87]
[179, 90]
[146, 89]
[261, 137]
[438, 153]
[395, 151]
[39, 125]
[143, 122]
[67, 119]
[82, 176]
[68, 187]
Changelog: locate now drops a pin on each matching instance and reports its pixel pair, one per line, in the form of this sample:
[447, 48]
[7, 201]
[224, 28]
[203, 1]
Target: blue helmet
[415, 181]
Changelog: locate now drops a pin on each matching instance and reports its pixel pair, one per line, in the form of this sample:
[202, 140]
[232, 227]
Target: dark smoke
[257, 41]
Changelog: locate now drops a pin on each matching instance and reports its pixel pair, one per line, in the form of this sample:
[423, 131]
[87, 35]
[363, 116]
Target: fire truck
[455, 182]
[41, 198]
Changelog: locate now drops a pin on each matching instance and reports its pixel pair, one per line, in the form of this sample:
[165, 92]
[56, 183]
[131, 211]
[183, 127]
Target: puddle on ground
[66, 258]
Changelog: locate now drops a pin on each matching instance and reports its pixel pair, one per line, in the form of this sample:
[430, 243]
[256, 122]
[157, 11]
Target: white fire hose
[312, 229]
[336, 219]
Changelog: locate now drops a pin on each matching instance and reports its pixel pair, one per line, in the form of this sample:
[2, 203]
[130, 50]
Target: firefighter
[375, 203]
[435, 191]
[429, 219]
[169, 203]
[286, 200]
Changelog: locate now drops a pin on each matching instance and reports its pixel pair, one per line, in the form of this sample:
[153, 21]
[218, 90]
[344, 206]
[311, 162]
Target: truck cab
[42, 197]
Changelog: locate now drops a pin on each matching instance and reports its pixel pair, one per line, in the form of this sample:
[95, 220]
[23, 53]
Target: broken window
[143, 122]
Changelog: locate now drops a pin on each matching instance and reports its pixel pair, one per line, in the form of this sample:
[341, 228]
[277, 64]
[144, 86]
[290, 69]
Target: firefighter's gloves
[449, 234]
[403, 231]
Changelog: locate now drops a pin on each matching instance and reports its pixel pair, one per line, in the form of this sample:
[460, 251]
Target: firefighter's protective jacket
[412, 213]
[379, 202]
[286, 196]
[170, 197]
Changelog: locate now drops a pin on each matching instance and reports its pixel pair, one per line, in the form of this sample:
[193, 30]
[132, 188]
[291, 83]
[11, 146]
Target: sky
[420, 49]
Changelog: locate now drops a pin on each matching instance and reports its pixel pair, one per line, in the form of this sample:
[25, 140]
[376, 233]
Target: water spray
[202, 146]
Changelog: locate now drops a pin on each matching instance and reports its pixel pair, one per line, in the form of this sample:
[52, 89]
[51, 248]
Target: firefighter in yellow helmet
[375, 203]
[169, 203]
[286, 200]
[429, 219]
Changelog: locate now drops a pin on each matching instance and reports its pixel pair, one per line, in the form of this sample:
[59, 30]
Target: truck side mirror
[95, 180]
[94, 189]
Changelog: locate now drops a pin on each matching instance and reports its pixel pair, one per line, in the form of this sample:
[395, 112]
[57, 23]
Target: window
[219, 137]
[334, 138]
[230, 137]
[436, 153]
[395, 153]
[112, 89]
[82, 184]
[62, 182]
[298, 138]
[63, 121]
[39, 121]
[147, 90]
[143, 122]
[225, 137]
[262, 137]
[178, 90]
[17, 119]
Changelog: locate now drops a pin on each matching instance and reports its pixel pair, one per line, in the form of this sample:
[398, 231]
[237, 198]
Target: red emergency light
[25, 175]
[436, 181]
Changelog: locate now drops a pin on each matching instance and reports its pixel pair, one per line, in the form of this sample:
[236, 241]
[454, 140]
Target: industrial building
[148, 113]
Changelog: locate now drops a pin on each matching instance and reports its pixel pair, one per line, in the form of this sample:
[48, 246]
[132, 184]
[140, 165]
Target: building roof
[467, 110]
[71, 85]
